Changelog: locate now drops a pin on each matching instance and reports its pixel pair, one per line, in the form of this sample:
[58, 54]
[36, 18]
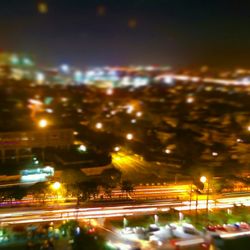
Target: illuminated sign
[38, 174]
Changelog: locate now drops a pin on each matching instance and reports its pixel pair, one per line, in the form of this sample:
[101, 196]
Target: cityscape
[100, 152]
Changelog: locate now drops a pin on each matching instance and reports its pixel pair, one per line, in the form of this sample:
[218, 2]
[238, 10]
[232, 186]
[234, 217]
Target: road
[101, 210]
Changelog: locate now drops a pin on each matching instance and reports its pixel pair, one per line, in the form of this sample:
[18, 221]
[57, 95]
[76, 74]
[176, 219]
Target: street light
[43, 123]
[203, 179]
[56, 185]
[99, 125]
[129, 136]
[82, 148]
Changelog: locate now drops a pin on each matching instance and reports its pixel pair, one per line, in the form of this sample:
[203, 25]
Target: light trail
[45, 215]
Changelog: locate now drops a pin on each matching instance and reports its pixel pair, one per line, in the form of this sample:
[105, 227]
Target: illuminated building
[13, 143]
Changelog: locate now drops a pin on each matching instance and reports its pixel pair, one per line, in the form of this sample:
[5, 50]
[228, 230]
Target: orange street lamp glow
[56, 185]
[43, 123]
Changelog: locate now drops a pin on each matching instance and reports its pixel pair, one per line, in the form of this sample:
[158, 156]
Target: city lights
[43, 123]
[99, 125]
[203, 179]
[117, 148]
[56, 185]
[65, 68]
[138, 114]
[109, 91]
[167, 151]
[40, 78]
[82, 148]
[129, 136]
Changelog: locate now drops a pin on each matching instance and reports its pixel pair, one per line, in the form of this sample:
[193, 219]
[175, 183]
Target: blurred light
[40, 77]
[190, 99]
[65, 68]
[129, 136]
[56, 185]
[214, 154]
[117, 148]
[14, 59]
[133, 121]
[42, 7]
[167, 151]
[110, 91]
[248, 128]
[27, 61]
[168, 80]
[75, 133]
[130, 109]
[82, 148]
[138, 114]
[78, 76]
[203, 179]
[99, 125]
[43, 123]
[50, 111]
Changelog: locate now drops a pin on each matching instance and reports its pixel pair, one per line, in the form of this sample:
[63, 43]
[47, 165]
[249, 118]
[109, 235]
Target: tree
[127, 187]
[72, 178]
[39, 190]
[88, 189]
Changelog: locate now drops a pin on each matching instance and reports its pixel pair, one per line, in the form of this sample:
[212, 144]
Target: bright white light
[214, 154]
[110, 91]
[117, 148]
[133, 121]
[140, 81]
[65, 68]
[129, 136]
[43, 123]
[99, 125]
[33, 177]
[90, 73]
[168, 80]
[50, 111]
[190, 99]
[167, 151]
[138, 114]
[203, 179]
[248, 128]
[56, 185]
[40, 77]
[82, 148]
[130, 109]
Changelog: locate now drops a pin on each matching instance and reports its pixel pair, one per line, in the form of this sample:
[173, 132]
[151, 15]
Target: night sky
[119, 32]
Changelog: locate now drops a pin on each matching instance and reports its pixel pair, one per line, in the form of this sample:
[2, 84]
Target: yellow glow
[99, 125]
[42, 7]
[43, 123]
[203, 179]
[56, 185]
